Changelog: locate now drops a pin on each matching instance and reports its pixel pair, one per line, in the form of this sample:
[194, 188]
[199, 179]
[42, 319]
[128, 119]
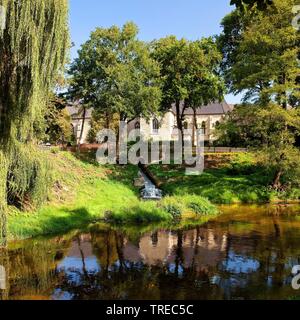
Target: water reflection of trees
[30, 268]
[197, 266]
[126, 275]
[242, 258]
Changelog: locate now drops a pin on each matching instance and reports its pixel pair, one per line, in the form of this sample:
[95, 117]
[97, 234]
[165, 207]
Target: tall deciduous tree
[190, 74]
[115, 74]
[33, 45]
[204, 82]
[261, 50]
[260, 53]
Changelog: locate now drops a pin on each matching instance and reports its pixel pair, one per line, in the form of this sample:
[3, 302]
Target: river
[247, 252]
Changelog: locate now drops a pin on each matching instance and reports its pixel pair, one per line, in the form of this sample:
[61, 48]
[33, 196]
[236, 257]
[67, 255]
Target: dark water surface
[245, 253]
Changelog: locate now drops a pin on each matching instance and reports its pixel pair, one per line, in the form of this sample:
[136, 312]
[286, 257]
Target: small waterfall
[149, 192]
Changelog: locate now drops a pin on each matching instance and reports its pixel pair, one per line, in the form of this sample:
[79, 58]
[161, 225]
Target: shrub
[172, 206]
[178, 205]
[29, 179]
[173, 210]
[200, 205]
[55, 150]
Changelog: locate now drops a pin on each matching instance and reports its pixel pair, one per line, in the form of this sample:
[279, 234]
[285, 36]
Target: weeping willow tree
[33, 46]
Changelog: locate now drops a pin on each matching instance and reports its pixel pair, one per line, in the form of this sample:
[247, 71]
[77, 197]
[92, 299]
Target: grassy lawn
[236, 180]
[85, 192]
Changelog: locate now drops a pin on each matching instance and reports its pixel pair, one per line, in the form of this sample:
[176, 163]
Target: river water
[247, 252]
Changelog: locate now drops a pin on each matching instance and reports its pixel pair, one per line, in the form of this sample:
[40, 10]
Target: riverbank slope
[85, 192]
[233, 178]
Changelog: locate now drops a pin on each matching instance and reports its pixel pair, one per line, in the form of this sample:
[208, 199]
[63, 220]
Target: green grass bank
[84, 192]
[228, 179]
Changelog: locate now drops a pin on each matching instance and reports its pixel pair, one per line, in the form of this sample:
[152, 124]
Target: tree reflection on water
[246, 253]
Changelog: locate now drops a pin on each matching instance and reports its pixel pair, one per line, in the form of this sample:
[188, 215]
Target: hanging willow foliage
[3, 195]
[32, 51]
[33, 48]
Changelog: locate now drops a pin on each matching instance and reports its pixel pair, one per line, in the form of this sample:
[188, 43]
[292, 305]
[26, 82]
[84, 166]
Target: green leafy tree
[58, 122]
[115, 74]
[271, 131]
[203, 80]
[33, 46]
[101, 121]
[190, 74]
[260, 51]
[245, 4]
[259, 61]
[239, 128]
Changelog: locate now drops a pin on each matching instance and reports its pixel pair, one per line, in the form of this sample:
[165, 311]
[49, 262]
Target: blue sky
[191, 19]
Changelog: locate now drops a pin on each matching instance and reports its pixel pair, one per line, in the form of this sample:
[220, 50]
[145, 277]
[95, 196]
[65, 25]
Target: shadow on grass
[73, 219]
[48, 224]
[88, 157]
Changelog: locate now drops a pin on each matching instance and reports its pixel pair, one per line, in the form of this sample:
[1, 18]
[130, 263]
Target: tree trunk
[180, 125]
[86, 274]
[276, 182]
[120, 247]
[107, 120]
[118, 146]
[82, 128]
[179, 260]
[195, 127]
[119, 135]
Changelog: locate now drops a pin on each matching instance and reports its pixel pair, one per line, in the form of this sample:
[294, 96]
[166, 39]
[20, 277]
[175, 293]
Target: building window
[155, 125]
[217, 124]
[137, 125]
[203, 128]
[185, 125]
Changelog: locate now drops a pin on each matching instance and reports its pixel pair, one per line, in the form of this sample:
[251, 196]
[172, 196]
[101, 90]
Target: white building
[77, 120]
[208, 117]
